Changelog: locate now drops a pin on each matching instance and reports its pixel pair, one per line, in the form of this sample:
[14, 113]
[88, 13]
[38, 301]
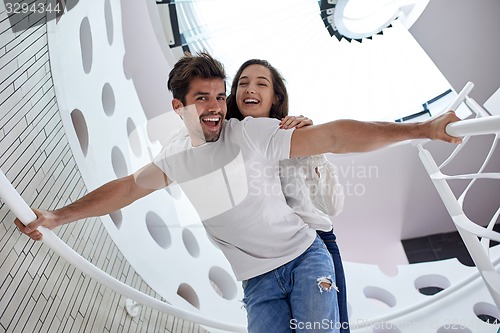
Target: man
[228, 171]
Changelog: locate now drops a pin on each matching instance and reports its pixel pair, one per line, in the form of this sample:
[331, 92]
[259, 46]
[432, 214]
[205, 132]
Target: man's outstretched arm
[351, 136]
[106, 199]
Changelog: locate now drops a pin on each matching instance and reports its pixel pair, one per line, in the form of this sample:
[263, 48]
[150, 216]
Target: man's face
[209, 98]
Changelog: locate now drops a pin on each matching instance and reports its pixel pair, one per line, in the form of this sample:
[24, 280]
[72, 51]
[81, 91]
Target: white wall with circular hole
[108, 99]
[86, 46]
[108, 17]
[190, 243]
[117, 218]
[436, 281]
[134, 138]
[158, 230]
[222, 282]
[81, 130]
[96, 69]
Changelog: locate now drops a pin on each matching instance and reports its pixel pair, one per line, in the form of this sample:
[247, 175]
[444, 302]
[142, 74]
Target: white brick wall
[40, 292]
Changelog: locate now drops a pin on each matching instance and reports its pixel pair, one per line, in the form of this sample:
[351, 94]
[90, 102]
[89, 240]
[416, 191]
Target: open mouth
[211, 121]
[250, 101]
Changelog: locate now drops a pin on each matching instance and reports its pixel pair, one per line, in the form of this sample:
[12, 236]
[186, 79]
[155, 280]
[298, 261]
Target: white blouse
[312, 189]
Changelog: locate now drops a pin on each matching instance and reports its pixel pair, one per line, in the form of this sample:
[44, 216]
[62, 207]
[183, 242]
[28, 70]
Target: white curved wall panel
[40, 291]
[110, 76]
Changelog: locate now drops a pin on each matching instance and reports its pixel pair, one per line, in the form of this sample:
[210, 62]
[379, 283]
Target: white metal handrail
[469, 231]
[477, 126]
[18, 206]
[484, 125]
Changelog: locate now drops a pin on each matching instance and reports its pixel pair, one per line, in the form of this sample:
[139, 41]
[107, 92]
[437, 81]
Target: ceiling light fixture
[363, 19]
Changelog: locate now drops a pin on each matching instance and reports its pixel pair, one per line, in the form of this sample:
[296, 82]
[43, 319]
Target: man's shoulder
[178, 141]
[250, 120]
[179, 135]
[252, 123]
[261, 120]
[250, 129]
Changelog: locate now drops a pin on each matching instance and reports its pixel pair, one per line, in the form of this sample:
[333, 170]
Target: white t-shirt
[234, 185]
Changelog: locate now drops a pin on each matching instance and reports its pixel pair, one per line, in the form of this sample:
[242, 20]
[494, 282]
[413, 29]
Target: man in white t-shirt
[228, 170]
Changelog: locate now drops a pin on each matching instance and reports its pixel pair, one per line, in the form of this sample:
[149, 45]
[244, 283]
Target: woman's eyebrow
[258, 77]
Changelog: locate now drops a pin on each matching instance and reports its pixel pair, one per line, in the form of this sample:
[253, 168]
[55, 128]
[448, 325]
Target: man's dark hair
[201, 65]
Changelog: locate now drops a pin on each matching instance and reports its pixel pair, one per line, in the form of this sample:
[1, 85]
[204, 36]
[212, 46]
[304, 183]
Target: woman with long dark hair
[310, 184]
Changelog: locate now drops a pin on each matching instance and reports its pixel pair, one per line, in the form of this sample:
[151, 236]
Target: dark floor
[438, 247]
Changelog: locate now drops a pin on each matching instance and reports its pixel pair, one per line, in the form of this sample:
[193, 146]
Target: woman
[310, 184]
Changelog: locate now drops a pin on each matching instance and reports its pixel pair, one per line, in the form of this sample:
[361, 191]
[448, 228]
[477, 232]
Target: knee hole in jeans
[325, 283]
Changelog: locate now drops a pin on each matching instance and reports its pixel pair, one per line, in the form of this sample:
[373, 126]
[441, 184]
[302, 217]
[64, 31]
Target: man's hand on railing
[44, 218]
[436, 128]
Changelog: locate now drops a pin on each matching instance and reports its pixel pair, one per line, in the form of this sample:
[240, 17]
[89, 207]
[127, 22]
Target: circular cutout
[222, 283]
[81, 130]
[70, 4]
[118, 162]
[158, 230]
[187, 292]
[86, 45]
[108, 99]
[487, 312]
[381, 295]
[190, 243]
[108, 18]
[117, 218]
[431, 284]
[133, 138]
[430, 291]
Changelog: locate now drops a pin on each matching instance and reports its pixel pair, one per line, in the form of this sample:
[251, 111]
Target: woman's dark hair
[278, 111]
[201, 65]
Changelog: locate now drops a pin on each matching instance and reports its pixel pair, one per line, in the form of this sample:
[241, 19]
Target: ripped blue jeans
[300, 296]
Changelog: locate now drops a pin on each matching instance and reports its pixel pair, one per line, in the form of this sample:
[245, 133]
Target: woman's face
[255, 92]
